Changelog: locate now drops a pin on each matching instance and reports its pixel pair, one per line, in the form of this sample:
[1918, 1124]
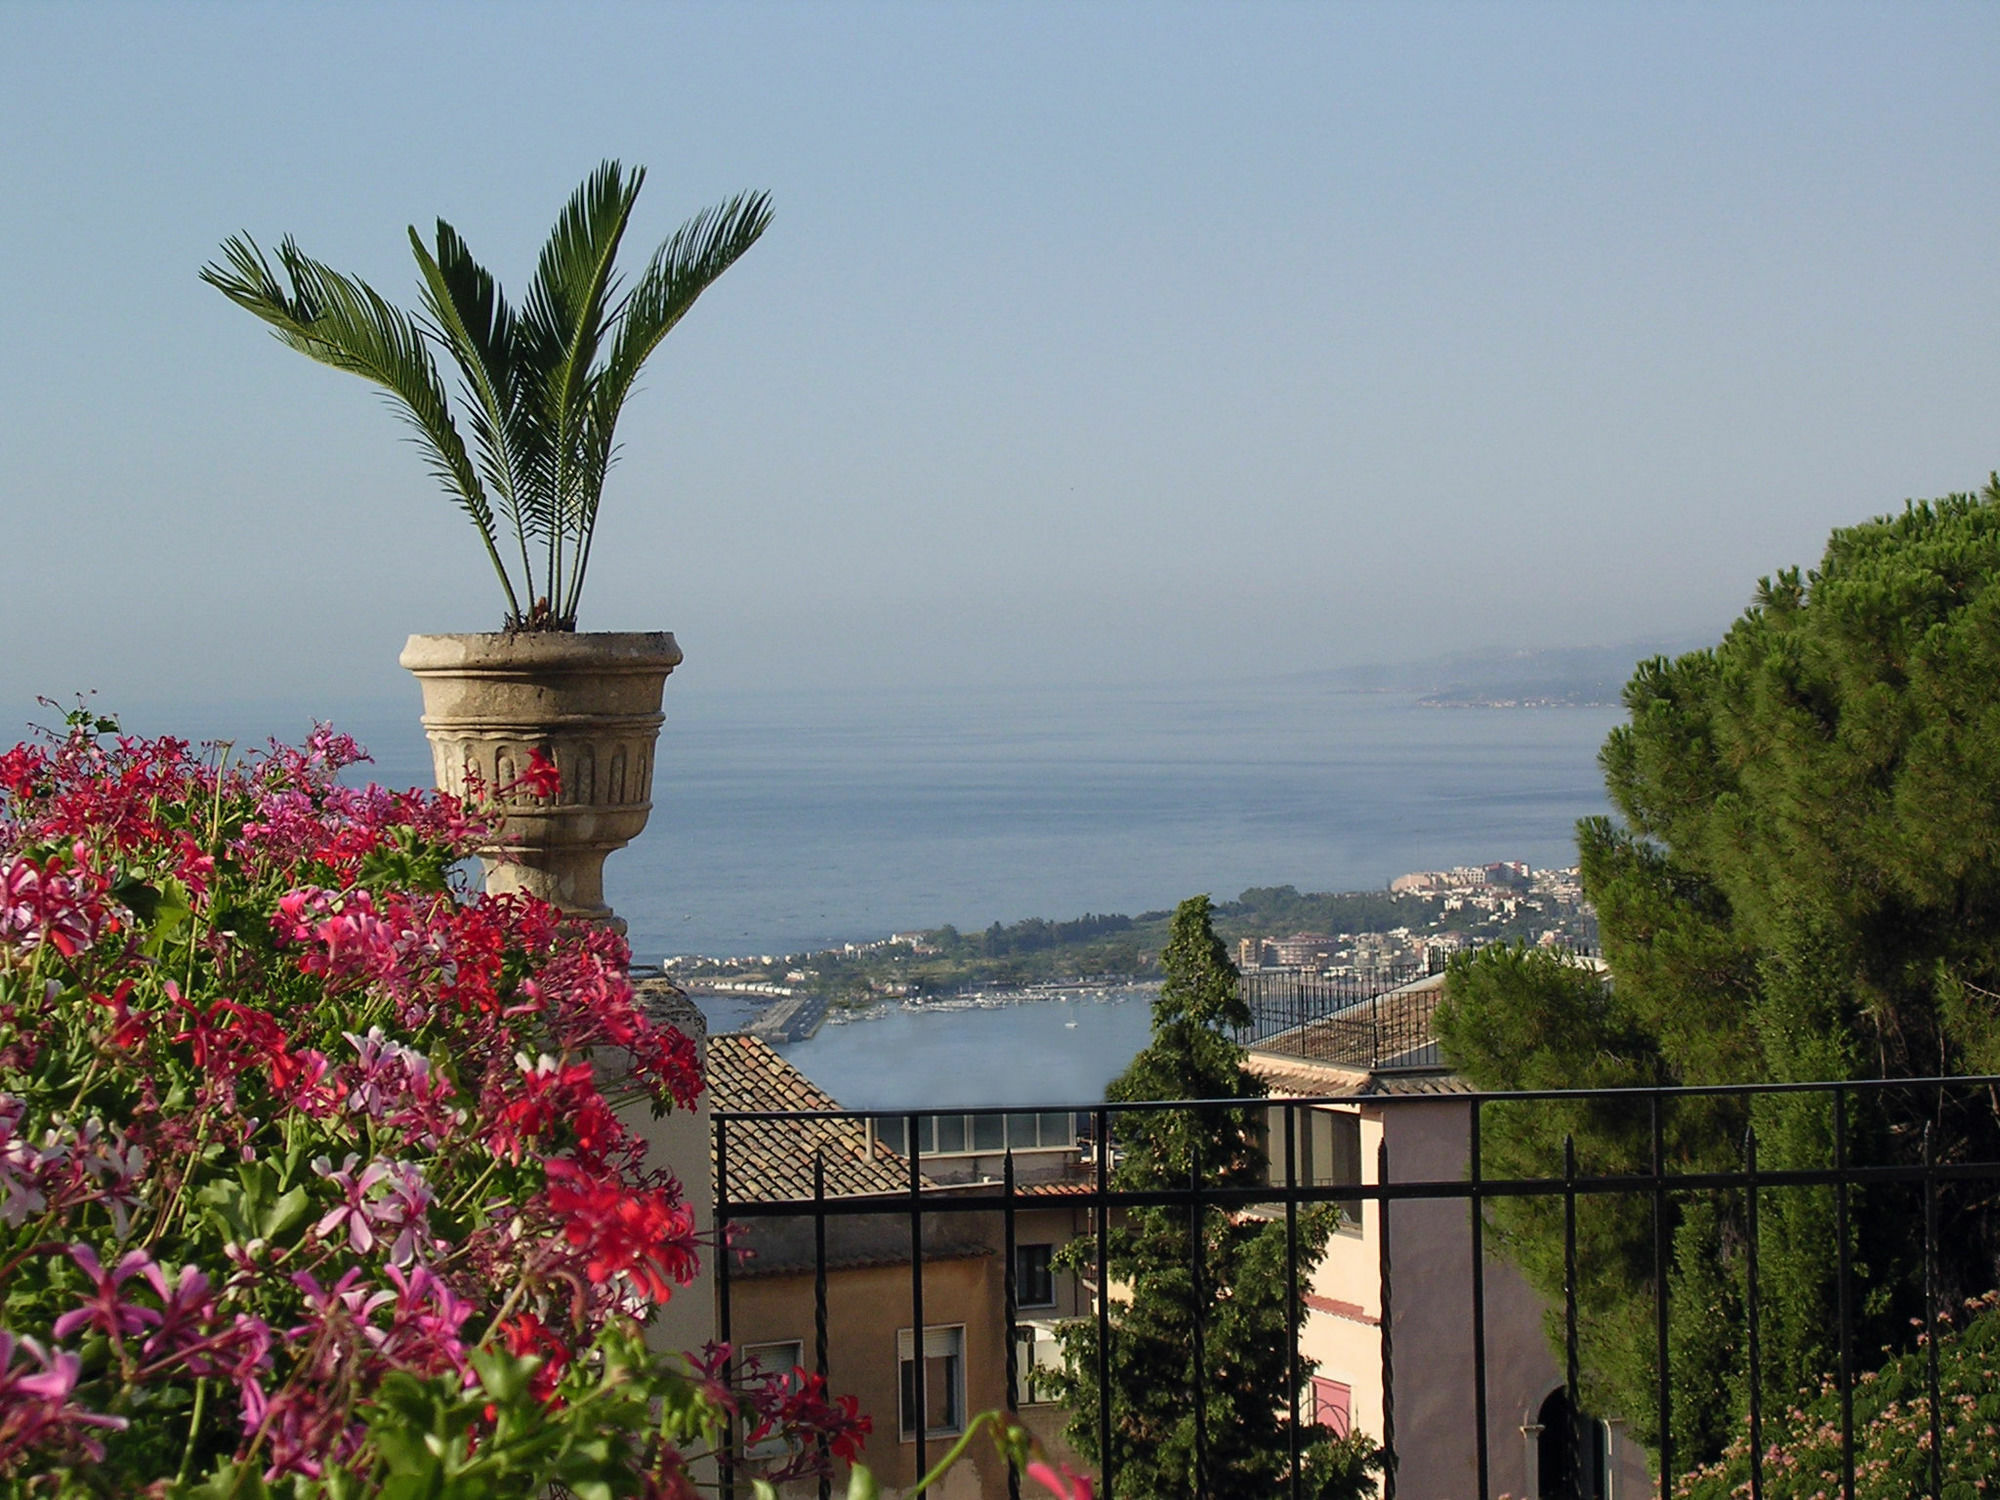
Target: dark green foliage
[1246, 1329]
[1803, 884]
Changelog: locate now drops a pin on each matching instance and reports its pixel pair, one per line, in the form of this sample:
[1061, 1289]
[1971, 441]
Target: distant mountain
[1571, 676]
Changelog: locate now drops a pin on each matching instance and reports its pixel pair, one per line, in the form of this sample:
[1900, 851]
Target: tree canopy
[1802, 883]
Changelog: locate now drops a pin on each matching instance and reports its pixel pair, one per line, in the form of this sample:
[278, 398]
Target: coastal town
[1419, 921]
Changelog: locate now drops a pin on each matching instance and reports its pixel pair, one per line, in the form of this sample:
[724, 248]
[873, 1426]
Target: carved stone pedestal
[591, 704]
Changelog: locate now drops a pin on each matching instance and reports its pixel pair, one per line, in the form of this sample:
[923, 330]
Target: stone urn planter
[591, 704]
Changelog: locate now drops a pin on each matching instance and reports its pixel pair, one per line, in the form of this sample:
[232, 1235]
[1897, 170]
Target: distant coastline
[1533, 700]
[1423, 917]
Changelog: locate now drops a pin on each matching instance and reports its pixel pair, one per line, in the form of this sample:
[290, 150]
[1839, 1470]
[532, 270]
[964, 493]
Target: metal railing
[1891, 1170]
[1368, 1020]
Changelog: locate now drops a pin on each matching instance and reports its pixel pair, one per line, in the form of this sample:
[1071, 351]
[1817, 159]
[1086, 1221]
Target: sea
[786, 822]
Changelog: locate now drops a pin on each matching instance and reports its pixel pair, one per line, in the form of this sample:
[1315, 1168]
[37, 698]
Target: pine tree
[1231, 1298]
[1803, 884]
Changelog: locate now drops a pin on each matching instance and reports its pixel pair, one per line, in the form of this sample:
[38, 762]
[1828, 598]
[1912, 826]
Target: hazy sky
[1089, 343]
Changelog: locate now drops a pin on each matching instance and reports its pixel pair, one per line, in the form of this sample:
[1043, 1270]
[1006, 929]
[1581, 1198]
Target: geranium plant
[541, 384]
[315, 1176]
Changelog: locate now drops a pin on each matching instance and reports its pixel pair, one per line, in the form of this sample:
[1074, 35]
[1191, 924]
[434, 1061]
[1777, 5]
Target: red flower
[647, 1236]
[527, 1334]
[127, 1030]
[541, 779]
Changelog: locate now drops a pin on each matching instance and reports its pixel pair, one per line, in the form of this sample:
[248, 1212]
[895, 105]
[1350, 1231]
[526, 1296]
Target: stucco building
[1398, 1095]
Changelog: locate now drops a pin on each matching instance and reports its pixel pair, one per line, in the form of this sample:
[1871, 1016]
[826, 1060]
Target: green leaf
[138, 897]
[226, 1205]
[283, 1214]
[232, 1482]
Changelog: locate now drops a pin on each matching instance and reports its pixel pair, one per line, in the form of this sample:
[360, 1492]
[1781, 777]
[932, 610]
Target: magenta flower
[348, 1297]
[429, 1315]
[106, 1308]
[187, 1307]
[35, 1409]
[357, 1212]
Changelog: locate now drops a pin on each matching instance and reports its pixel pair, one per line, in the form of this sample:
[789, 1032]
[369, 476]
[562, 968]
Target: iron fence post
[1294, 1315]
[919, 1385]
[1752, 1314]
[1387, 1326]
[1479, 1308]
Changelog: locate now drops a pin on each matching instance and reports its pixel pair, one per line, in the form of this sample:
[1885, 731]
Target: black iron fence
[1899, 1180]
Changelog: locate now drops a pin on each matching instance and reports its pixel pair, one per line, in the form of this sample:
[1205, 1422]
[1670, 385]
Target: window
[943, 1377]
[1038, 1359]
[1333, 1406]
[1328, 1143]
[985, 1134]
[780, 1359]
[1034, 1276]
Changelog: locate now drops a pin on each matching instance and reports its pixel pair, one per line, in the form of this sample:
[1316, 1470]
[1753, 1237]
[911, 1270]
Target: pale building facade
[1423, 1118]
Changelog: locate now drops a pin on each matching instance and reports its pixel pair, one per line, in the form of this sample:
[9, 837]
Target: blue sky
[1089, 343]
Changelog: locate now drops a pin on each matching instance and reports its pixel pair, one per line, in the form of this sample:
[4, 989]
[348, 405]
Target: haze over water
[786, 822]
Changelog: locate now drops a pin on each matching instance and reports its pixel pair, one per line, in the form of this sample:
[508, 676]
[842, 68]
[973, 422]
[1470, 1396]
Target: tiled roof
[1428, 1082]
[1288, 1073]
[772, 1160]
[1307, 1078]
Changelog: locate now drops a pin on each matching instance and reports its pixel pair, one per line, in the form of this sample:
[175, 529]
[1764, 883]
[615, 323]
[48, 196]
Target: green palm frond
[542, 383]
[471, 319]
[343, 322]
[563, 320]
[679, 272]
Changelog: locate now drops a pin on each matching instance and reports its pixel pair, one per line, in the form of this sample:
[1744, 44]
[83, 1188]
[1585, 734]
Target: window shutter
[939, 1343]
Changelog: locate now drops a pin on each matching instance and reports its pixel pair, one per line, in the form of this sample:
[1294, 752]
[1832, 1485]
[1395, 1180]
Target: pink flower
[106, 1308]
[35, 1409]
[1068, 1485]
[357, 1212]
[39, 903]
[349, 1297]
[429, 1315]
[187, 1306]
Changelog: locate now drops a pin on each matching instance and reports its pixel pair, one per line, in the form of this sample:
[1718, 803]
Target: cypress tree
[1232, 1294]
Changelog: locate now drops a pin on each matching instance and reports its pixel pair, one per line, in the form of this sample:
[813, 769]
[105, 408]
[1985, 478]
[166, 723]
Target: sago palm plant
[541, 384]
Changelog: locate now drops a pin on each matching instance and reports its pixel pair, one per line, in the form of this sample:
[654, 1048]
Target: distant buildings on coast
[1463, 907]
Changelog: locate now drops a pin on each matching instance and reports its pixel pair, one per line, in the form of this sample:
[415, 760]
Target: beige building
[871, 1332]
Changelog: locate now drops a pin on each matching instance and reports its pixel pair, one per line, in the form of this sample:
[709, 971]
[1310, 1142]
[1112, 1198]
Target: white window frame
[1036, 1350]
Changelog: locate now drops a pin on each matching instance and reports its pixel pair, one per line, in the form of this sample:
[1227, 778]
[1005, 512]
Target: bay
[1047, 1050]
[789, 821]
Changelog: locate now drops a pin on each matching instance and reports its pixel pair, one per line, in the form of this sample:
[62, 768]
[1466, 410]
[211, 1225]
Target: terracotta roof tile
[772, 1160]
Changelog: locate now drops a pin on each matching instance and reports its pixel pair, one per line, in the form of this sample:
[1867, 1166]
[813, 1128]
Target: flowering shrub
[312, 1177]
[1892, 1427]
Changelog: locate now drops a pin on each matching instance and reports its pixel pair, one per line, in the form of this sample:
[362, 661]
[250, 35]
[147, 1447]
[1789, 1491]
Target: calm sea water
[1041, 1051]
[789, 822]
